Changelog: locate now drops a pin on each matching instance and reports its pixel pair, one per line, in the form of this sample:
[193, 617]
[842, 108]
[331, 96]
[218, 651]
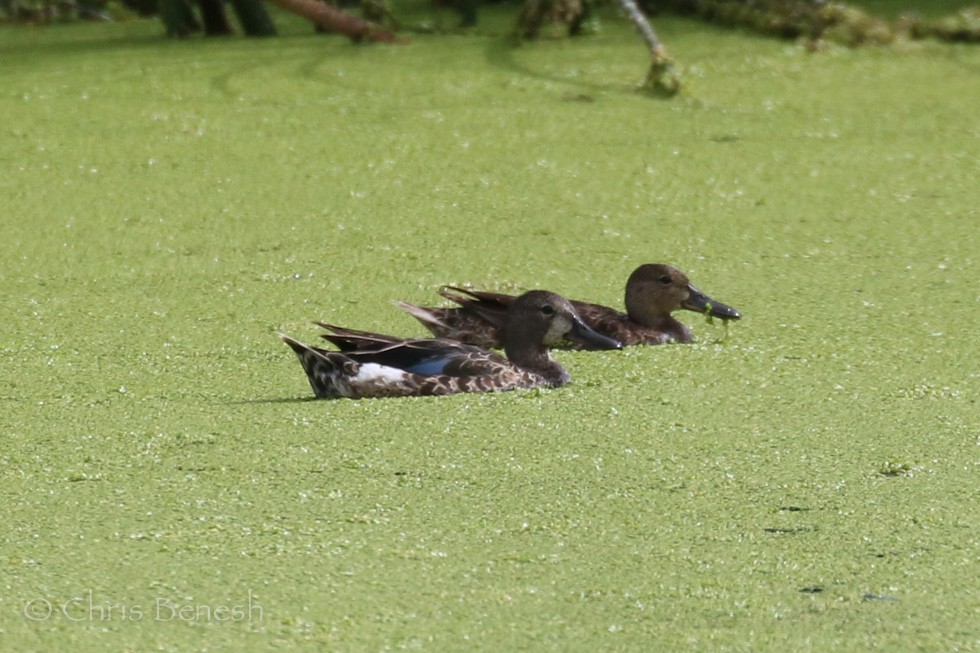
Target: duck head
[539, 319]
[655, 290]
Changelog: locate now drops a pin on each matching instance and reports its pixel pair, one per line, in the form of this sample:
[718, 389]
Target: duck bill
[698, 302]
[589, 338]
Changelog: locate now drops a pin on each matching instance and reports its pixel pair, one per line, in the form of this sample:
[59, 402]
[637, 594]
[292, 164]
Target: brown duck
[375, 365]
[653, 292]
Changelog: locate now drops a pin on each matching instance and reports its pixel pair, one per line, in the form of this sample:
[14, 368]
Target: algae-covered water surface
[803, 480]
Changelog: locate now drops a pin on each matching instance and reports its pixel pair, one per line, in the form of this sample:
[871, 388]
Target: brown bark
[338, 21]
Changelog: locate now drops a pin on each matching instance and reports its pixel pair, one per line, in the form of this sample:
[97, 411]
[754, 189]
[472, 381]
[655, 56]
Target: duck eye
[664, 279]
[547, 309]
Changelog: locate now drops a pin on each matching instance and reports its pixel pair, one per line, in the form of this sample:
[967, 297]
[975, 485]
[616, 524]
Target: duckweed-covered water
[806, 482]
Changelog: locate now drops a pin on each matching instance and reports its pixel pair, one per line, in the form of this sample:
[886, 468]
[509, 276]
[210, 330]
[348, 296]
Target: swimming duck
[376, 365]
[653, 292]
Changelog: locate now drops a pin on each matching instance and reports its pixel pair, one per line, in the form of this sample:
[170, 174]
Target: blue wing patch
[429, 367]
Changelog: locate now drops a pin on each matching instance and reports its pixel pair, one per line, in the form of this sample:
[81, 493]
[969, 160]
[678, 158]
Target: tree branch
[662, 77]
[320, 13]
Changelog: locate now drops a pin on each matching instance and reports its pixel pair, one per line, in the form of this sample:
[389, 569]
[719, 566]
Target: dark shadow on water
[156, 42]
[60, 48]
[500, 54]
[280, 400]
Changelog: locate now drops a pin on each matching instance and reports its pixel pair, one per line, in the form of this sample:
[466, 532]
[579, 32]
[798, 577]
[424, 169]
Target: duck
[653, 292]
[368, 365]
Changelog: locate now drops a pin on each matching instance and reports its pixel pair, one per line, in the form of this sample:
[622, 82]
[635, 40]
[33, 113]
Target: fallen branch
[662, 78]
[322, 14]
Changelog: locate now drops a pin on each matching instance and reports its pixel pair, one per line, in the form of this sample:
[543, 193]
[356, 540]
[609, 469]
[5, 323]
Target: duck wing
[348, 340]
[425, 357]
[489, 307]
